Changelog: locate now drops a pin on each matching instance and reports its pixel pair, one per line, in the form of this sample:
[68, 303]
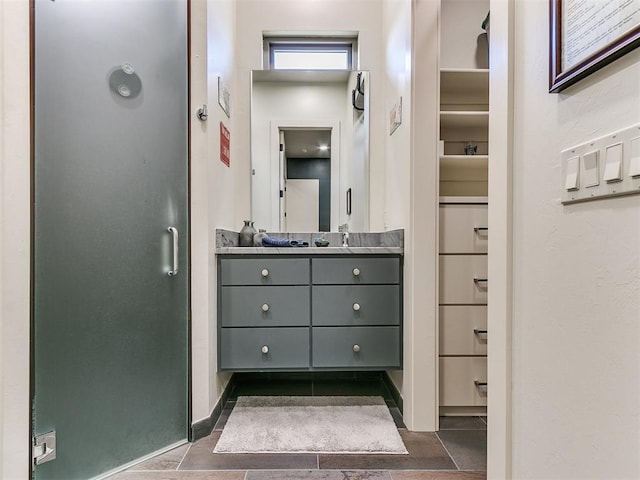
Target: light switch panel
[572, 176]
[613, 163]
[591, 165]
[603, 167]
[634, 162]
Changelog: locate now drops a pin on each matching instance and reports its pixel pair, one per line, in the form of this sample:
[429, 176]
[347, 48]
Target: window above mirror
[310, 53]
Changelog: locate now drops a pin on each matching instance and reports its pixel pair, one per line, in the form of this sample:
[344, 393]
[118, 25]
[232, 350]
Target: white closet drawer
[463, 330]
[463, 279]
[463, 228]
[459, 378]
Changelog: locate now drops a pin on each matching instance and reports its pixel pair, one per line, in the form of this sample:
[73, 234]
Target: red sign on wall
[225, 145]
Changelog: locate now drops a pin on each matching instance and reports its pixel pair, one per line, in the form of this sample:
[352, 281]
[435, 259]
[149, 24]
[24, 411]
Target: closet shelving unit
[464, 121]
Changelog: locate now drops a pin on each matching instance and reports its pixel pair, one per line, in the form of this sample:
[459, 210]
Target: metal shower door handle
[176, 237]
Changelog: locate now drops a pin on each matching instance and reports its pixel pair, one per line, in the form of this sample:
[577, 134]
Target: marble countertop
[361, 243]
[309, 250]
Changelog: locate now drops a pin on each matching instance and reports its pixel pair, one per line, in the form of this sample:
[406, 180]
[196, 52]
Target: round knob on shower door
[356, 307]
[264, 272]
[356, 348]
[265, 307]
[264, 349]
[356, 272]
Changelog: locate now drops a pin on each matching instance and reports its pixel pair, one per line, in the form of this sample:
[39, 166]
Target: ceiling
[306, 143]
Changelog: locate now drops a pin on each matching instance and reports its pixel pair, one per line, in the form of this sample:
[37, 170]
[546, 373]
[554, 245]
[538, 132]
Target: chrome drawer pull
[480, 384]
[356, 307]
[264, 349]
[265, 307]
[480, 229]
[264, 272]
[480, 280]
[356, 348]
[477, 331]
[356, 272]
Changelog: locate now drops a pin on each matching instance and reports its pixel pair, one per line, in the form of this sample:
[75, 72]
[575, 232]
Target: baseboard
[204, 427]
[395, 393]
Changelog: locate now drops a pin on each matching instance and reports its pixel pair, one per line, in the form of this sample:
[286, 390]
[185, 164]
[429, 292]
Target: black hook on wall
[357, 95]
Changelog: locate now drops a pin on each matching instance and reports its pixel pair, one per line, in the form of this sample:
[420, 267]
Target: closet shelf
[470, 158]
[464, 86]
[463, 200]
[464, 119]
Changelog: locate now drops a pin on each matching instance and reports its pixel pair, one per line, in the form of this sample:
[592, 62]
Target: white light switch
[634, 164]
[572, 176]
[603, 167]
[591, 169]
[613, 163]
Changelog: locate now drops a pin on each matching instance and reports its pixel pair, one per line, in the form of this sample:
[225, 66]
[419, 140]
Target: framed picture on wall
[586, 35]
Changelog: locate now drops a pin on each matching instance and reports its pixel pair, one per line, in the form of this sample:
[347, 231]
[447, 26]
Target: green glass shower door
[111, 277]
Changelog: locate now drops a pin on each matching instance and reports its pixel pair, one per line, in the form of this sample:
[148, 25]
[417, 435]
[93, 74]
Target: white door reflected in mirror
[302, 200]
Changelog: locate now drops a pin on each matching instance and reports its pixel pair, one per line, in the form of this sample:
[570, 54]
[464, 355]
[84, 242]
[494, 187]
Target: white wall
[396, 184]
[397, 37]
[290, 104]
[325, 16]
[576, 320]
[14, 239]
[460, 31]
[355, 173]
[215, 202]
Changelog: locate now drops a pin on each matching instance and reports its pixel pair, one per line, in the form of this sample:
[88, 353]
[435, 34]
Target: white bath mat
[360, 425]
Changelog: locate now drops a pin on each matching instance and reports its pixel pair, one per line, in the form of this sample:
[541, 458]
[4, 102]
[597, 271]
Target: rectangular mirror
[310, 150]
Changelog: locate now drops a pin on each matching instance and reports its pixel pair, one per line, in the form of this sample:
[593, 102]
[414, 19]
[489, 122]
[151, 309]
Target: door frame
[276, 175]
[421, 266]
[500, 255]
[189, 392]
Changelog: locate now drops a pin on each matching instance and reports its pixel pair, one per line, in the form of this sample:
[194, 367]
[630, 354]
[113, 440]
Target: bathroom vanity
[311, 308]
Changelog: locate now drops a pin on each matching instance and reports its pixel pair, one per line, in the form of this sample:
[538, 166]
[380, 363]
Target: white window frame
[272, 44]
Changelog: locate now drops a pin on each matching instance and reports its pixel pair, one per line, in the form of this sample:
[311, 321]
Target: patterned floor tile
[437, 475]
[462, 423]
[425, 452]
[166, 461]
[318, 475]
[467, 447]
[179, 475]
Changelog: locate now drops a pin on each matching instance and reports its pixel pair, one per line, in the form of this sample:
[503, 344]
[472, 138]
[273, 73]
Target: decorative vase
[257, 238]
[246, 234]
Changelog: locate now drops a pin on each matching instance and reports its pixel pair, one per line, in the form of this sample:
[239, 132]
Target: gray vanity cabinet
[356, 347]
[350, 305]
[309, 312]
[264, 348]
[273, 306]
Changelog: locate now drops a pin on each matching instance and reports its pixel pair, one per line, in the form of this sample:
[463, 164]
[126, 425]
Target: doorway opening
[305, 179]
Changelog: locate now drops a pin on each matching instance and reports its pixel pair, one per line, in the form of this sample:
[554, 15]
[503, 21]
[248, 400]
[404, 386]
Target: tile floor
[456, 452]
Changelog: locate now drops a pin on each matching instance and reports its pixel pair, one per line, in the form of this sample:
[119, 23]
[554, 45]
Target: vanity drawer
[463, 330]
[264, 271]
[355, 305]
[355, 270]
[457, 381]
[463, 228]
[265, 306]
[287, 347]
[463, 279]
[344, 347]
